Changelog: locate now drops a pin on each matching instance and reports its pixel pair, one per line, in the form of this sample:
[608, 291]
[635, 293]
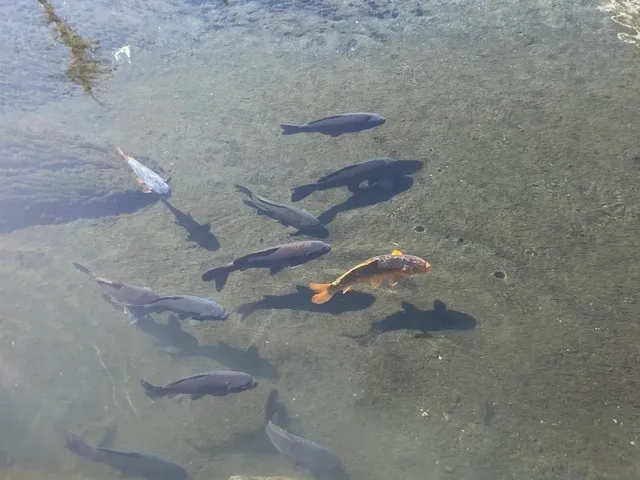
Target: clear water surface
[516, 357]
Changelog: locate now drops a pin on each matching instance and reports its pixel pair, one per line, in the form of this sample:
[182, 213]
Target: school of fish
[139, 303]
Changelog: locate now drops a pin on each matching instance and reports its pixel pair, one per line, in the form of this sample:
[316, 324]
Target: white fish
[150, 180]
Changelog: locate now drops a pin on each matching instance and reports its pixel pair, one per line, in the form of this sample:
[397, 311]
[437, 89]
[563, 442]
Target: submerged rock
[49, 178]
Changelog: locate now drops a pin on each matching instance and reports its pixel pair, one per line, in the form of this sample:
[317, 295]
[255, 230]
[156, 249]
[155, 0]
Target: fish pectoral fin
[376, 281]
[274, 270]
[397, 252]
[346, 289]
[139, 180]
[395, 278]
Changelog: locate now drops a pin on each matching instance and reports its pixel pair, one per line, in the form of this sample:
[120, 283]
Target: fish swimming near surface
[185, 306]
[373, 271]
[287, 215]
[313, 456]
[377, 171]
[151, 182]
[337, 124]
[217, 383]
[274, 258]
[130, 464]
[127, 295]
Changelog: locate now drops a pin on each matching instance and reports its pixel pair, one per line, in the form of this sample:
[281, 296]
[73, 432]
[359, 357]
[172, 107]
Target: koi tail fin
[219, 275]
[152, 391]
[303, 191]
[289, 129]
[323, 292]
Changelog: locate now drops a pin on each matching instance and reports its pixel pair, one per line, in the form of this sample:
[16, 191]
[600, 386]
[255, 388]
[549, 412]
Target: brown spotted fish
[373, 271]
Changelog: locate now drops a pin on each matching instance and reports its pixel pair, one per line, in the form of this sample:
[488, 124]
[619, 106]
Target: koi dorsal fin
[396, 252]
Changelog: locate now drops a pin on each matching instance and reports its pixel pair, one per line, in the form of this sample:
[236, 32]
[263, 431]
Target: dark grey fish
[217, 383]
[130, 464]
[127, 295]
[274, 258]
[185, 306]
[303, 452]
[337, 124]
[288, 216]
[381, 171]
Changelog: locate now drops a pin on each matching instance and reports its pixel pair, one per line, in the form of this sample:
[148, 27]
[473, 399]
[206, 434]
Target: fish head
[240, 383]
[376, 119]
[313, 249]
[321, 248]
[165, 192]
[415, 265]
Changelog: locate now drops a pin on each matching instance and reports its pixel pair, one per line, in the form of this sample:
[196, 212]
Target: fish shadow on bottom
[186, 345]
[367, 196]
[58, 212]
[412, 318]
[301, 300]
[168, 335]
[254, 441]
[199, 233]
[315, 232]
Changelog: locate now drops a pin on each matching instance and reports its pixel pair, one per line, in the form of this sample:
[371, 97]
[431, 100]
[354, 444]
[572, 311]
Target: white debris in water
[123, 53]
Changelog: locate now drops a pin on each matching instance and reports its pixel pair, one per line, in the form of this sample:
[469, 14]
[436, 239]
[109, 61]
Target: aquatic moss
[82, 68]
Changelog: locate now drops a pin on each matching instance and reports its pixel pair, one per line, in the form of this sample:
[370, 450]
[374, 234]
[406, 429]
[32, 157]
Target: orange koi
[373, 271]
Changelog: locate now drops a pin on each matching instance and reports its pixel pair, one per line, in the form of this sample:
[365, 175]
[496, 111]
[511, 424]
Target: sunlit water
[515, 357]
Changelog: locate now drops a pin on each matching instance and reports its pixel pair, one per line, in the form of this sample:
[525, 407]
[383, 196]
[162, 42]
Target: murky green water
[525, 114]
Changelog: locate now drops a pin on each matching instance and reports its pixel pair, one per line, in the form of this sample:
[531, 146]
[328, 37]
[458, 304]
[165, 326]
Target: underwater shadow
[255, 441]
[248, 360]
[176, 343]
[316, 232]
[53, 213]
[301, 300]
[168, 335]
[199, 233]
[425, 321]
[367, 196]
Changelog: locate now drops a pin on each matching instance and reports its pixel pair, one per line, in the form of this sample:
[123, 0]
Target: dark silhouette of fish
[274, 258]
[288, 216]
[317, 458]
[168, 336]
[337, 124]
[217, 383]
[199, 233]
[378, 171]
[127, 295]
[130, 464]
[185, 306]
[299, 300]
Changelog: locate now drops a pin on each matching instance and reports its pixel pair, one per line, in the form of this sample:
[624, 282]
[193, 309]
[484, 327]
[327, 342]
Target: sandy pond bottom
[526, 207]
